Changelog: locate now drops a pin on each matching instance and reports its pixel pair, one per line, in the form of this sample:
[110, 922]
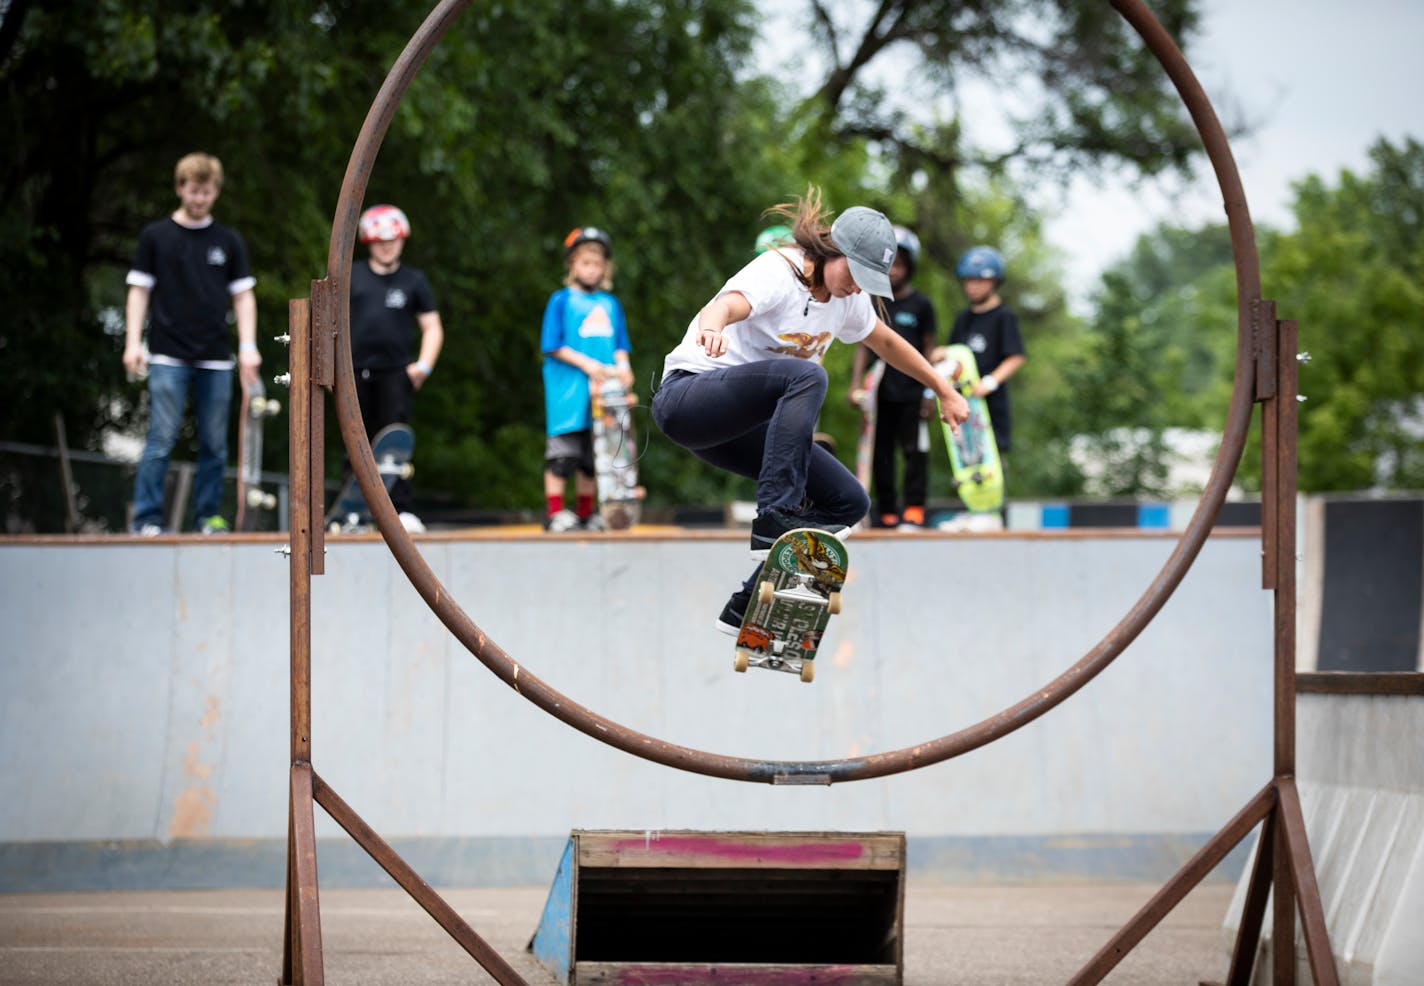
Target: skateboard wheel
[808, 671]
[739, 663]
[272, 407]
[765, 592]
[833, 605]
[407, 471]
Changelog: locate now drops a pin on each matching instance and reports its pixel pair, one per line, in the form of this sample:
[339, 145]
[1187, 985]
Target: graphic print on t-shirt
[803, 345]
[596, 324]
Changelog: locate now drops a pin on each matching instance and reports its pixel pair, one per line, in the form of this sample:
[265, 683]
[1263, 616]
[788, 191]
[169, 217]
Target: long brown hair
[810, 224]
[811, 229]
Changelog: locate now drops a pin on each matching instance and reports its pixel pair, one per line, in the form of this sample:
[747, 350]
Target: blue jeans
[168, 388]
[756, 420]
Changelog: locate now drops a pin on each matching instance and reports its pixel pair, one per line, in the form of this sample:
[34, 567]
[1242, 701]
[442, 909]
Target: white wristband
[247, 347]
[424, 367]
[992, 382]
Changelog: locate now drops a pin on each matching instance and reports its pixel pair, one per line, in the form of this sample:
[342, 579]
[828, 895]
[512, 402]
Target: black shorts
[563, 454]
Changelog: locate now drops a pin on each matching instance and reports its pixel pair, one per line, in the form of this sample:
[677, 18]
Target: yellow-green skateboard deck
[973, 453]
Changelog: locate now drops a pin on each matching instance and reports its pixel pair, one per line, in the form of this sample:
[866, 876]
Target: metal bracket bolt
[283, 379]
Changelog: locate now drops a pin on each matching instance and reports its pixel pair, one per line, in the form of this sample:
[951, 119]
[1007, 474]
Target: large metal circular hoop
[535, 690]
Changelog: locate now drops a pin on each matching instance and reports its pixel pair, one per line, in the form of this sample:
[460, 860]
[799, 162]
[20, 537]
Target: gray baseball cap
[868, 241]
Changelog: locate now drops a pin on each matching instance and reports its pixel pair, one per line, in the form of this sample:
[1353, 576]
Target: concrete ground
[986, 936]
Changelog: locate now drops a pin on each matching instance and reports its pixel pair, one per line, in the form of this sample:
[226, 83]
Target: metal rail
[1262, 349]
[539, 692]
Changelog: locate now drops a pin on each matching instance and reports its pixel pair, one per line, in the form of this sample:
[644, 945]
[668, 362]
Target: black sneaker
[730, 622]
[771, 524]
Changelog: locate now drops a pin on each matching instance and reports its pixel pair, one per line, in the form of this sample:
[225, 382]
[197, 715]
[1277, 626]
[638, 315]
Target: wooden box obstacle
[773, 908]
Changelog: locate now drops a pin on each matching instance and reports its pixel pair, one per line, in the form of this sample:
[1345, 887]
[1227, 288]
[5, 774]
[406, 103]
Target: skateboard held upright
[615, 455]
[865, 447]
[256, 408]
[798, 591]
[392, 448]
[973, 453]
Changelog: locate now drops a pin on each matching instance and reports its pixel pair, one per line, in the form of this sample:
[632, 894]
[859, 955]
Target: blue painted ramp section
[552, 943]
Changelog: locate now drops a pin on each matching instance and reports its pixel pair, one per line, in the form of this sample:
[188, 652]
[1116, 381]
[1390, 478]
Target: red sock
[553, 503]
[585, 506]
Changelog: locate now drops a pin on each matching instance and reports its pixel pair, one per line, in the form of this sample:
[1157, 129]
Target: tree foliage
[1160, 345]
[1161, 349]
[646, 117]
[1352, 274]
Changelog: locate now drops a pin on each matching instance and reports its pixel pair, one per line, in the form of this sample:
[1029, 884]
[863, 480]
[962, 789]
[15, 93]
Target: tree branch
[10, 28]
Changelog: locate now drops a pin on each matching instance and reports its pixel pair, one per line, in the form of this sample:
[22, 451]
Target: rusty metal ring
[535, 690]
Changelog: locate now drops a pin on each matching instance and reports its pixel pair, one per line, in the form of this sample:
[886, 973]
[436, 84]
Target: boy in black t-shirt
[388, 301]
[902, 412]
[991, 330]
[187, 271]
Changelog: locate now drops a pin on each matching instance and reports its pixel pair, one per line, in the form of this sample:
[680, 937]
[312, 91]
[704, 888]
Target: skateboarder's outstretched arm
[887, 344]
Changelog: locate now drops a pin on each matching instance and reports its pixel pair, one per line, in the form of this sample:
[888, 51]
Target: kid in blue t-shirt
[584, 339]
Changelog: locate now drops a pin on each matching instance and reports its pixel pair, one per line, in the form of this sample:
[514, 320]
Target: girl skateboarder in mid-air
[744, 387]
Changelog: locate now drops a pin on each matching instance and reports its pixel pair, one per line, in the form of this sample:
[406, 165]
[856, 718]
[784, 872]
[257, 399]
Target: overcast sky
[1319, 80]
[1322, 79]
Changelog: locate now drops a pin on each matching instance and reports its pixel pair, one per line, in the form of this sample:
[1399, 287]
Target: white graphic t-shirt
[786, 322]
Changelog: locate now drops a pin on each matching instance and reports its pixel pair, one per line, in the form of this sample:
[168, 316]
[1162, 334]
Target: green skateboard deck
[797, 593]
[973, 453]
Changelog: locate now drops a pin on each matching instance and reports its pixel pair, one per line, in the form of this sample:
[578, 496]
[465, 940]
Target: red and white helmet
[384, 222]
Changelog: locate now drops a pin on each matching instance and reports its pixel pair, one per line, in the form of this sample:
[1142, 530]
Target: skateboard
[798, 591]
[615, 456]
[865, 447]
[392, 448]
[256, 408]
[973, 453]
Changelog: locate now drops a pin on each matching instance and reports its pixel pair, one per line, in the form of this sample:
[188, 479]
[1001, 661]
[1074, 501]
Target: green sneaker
[213, 525]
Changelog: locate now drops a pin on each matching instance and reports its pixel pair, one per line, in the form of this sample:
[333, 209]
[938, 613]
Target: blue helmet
[980, 261]
[909, 243]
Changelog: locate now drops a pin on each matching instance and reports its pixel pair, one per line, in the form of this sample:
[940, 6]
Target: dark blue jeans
[756, 420]
[168, 389]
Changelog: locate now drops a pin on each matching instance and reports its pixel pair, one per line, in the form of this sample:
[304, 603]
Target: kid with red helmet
[389, 301]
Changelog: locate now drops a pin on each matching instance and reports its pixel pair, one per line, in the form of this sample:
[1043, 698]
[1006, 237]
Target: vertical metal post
[302, 954]
[1279, 462]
